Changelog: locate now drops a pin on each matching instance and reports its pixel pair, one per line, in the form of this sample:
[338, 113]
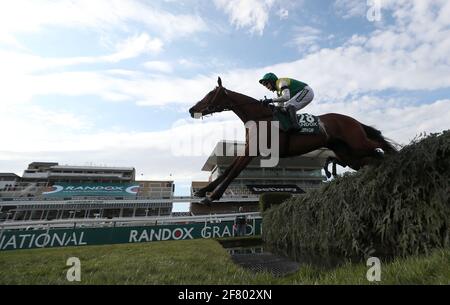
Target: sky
[110, 82]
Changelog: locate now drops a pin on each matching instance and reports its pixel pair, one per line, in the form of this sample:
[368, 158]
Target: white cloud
[397, 119]
[410, 54]
[253, 14]
[160, 66]
[402, 57]
[16, 63]
[283, 13]
[256, 14]
[30, 128]
[24, 77]
[188, 63]
[185, 146]
[101, 15]
[30, 72]
[351, 8]
[135, 46]
[306, 38]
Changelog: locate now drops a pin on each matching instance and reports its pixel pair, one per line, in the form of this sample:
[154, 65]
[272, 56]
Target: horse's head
[213, 102]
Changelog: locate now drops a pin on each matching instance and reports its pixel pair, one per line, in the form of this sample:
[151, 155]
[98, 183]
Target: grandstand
[297, 174]
[49, 191]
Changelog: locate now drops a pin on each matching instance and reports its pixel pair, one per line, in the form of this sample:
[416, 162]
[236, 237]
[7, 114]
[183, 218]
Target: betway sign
[15, 239]
[259, 189]
[64, 189]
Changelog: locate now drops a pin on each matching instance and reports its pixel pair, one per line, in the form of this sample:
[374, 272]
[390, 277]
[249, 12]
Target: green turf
[196, 262]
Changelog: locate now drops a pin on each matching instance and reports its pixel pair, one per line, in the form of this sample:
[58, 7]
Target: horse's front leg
[240, 164]
[213, 184]
[235, 171]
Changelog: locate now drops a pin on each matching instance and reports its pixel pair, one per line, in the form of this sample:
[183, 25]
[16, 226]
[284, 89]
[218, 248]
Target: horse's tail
[374, 134]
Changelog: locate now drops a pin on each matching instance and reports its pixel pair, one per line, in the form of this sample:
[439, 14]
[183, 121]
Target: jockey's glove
[267, 101]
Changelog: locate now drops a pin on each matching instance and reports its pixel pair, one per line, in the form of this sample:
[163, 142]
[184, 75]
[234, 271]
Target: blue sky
[109, 82]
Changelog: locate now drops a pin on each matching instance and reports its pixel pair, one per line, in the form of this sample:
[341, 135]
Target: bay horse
[353, 143]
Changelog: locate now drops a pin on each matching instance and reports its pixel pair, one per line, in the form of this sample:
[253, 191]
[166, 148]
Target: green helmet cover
[269, 77]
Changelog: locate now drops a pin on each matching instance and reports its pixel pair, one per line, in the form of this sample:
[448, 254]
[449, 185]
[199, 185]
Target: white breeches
[301, 99]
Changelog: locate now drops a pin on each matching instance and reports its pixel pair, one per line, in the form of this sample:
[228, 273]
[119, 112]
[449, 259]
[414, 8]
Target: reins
[227, 107]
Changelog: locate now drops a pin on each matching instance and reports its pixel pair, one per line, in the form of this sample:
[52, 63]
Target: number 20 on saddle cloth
[309, 124]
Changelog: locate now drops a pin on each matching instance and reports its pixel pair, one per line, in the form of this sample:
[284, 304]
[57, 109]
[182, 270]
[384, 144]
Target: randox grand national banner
[22, 239]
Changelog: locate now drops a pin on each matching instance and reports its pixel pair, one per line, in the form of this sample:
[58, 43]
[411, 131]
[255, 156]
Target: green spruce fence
[396, 208]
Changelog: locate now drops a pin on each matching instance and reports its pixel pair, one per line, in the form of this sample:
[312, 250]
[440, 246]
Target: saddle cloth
[309, 124]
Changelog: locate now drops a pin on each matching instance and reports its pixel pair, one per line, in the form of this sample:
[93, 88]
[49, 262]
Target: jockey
[292, 94]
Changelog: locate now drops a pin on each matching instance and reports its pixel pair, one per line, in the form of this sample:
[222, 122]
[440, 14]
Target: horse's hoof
[379, 152]
[200, 194]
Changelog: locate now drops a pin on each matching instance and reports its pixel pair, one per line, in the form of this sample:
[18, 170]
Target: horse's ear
[219, 81]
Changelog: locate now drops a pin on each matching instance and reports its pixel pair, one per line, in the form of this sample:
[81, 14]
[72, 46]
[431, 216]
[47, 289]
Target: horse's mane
[251, 99]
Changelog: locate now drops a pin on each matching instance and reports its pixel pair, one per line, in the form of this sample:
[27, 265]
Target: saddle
[309, 124]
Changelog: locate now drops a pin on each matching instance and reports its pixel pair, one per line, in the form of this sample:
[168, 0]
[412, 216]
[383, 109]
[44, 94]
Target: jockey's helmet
[269, 78]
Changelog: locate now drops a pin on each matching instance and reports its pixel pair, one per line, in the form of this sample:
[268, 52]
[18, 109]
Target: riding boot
[293, 116]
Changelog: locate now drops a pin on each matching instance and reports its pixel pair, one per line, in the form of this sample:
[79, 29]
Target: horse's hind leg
[334, 171]
[345, 156]
[334, 161]
[325, 167]
[359, 143]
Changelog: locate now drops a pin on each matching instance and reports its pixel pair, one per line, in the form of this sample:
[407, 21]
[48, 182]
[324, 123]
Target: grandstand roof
[43, 163]
[93, 167]
[9, 175]
[155, 181]
[55, 165]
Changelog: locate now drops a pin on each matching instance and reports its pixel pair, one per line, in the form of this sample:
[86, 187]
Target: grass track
[196, 262]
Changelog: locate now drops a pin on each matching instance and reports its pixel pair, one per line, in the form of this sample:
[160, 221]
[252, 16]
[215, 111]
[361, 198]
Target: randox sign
[101, 189]
[16, 239]
[291, 188]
